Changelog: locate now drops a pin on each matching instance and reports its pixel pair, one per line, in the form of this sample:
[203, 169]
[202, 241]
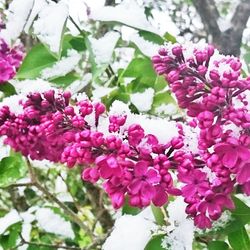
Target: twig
[53, 198]
[24, 242]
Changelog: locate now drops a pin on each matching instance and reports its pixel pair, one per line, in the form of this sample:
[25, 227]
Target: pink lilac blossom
[209, 86]
[10, 60]
[134, 165]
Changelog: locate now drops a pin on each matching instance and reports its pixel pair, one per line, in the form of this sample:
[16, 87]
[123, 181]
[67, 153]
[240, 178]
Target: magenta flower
[196, 183]
[145, 178]
[108, 166]
[214, 203]
[231, 152]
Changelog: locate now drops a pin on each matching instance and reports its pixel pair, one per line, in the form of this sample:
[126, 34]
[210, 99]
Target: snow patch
[180, 232]
[164, 130]
[131, 232]
[166, 109]
[128, 13]
[38, 6]
[143, 101]
[103, 48]
[9, 219]
[13, 102]
[27, 86]
[17, 16]
[62, 67]
[53, 223]
[49, 26]
[146, 47]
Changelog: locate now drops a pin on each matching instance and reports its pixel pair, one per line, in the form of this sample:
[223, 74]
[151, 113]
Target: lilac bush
[131, 163]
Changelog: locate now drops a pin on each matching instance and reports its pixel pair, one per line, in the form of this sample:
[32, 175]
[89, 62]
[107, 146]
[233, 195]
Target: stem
[83, 33]
[74, 217]
[38, 244]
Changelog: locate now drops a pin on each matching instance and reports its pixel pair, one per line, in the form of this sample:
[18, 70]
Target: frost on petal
[53, 223]
[17, 16]
[137, 18]
[49, 26]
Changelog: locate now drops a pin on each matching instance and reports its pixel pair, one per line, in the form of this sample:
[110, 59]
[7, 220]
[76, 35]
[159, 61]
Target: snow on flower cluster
[131, 155]
[210, 87]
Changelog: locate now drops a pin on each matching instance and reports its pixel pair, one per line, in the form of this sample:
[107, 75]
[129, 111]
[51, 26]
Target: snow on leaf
[128, 13]
[9, 219]
[50, 25]
[143, 101]
[103, 48]
[146, 47]
[38, 6]
[17, 16]
[131, 232]
[180, 232]
[62, 67]
[27, 86]
[53, 223]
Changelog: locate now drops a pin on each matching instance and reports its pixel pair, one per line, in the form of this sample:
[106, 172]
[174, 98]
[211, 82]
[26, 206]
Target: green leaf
[126, 209]
[162, 98]
[35, 61]
[78, 44]
[239, 240]
[241, 212]
[158, 214]
[12, 168]
[217, 245]
[7, 89]
[65, 81]
[155, 243]
[9, 239]
[170, 38]
[151, 37]
[160, 83]
[140, 67]
[240, 217]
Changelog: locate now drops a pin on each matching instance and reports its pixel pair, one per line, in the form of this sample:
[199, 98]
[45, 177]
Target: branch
[229, 41]
[209, 16]
[74, 217]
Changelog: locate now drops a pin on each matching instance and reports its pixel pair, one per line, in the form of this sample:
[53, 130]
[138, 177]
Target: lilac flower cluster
[210, 87]
[132, 164]
[136, 165]
[10, 60]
